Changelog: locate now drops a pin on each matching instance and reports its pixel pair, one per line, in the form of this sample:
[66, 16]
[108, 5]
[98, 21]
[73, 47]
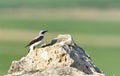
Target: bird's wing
[30, 43]
[35, 40]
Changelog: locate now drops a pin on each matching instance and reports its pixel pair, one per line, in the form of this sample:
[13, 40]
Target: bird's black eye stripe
[43, 32]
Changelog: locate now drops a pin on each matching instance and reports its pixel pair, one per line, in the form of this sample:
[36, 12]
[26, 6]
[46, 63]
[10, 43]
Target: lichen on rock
[61, 57]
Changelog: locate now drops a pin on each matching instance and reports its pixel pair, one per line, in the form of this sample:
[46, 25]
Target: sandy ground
[91, 40]
[63, 13]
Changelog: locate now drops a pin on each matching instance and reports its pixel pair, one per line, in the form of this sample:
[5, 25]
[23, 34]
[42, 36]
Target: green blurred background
[94, 25]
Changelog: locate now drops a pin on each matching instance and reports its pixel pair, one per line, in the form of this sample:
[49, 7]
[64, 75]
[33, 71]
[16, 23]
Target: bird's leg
[33, 47]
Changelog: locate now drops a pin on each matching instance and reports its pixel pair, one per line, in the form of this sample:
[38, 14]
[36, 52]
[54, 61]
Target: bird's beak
[45, 31]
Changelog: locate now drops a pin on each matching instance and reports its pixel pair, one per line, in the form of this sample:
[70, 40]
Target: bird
[37, 40]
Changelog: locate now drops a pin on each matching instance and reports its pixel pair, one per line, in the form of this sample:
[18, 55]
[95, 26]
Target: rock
[61, 57]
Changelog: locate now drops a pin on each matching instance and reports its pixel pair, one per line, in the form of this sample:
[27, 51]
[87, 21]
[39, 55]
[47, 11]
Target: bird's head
[43, 31]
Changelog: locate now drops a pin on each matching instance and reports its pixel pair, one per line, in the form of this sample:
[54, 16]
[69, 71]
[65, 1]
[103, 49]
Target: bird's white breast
[35, 44]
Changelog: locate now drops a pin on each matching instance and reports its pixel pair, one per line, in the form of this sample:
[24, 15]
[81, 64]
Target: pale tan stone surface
[62, 57]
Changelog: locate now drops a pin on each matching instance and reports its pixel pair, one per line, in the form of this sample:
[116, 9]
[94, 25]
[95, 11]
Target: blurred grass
[98, 37]
[9, 51]
[106, 58]
[58, 3]
[72, 26]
